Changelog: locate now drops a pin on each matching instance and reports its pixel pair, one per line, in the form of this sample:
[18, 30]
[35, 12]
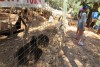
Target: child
[81, 24]
[79, 16]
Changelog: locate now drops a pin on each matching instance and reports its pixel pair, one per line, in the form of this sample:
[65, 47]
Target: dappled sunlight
[71, 28]
[84, 53]
[79, 64]
[86, 33]
[3, 37]
[43, 26]
[70, 44]
[62, 48]
[72, 55]
[91, 34]
[66, 61]
[63, 51]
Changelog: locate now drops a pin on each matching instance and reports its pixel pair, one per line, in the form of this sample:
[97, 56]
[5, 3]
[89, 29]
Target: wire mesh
[21, 54]
[16, 61]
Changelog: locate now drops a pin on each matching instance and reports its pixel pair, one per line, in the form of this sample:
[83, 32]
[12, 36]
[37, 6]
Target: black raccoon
[30, 48]
[43, 40]
[37, 52]
[33, 43]
[22, 53]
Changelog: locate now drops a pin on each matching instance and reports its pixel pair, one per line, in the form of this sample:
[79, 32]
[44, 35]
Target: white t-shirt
[83, 18]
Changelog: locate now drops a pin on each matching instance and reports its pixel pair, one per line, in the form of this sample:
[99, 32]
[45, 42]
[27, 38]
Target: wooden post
[65, 9]
[65, 21]
[63, 31]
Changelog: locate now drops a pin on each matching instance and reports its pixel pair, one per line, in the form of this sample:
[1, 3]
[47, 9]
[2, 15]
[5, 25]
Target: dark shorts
[80, 25]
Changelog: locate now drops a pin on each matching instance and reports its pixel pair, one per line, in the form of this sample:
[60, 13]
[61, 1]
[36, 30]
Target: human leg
[80, 36]
[77, 32]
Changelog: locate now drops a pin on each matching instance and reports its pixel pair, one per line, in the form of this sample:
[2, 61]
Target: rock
[61, 53]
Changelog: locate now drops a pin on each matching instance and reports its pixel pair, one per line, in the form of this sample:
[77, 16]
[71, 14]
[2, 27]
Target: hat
[81, 9]
[85, 7]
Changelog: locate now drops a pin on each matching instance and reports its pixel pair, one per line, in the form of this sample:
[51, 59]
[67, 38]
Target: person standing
[82, 24]
[79, 17]
[95, 16]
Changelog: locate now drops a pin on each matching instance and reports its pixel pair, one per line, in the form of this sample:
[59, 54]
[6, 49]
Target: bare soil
[61, 52]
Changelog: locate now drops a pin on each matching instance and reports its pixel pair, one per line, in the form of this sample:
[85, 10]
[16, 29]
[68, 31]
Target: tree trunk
[89, 18]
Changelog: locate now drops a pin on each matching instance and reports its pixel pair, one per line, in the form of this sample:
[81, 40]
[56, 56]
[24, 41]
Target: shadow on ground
[74, 55]
[81, 56]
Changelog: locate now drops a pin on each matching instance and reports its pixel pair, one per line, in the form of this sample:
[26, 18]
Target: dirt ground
[63, 50]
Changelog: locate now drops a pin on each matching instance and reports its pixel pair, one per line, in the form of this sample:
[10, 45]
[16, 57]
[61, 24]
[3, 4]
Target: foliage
[75, 4]
[71, 4]
[57, 4]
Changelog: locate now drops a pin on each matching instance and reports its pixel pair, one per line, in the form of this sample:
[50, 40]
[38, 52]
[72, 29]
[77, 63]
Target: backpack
[95, 15]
